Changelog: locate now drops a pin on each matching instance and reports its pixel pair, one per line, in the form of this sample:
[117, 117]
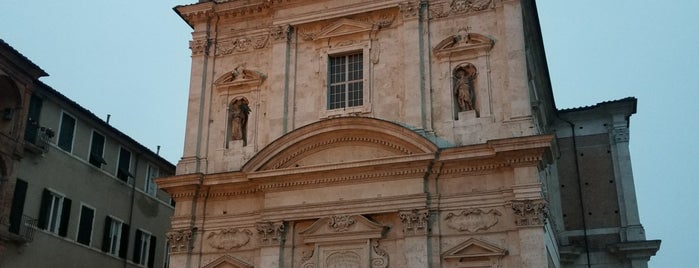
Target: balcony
[37, 138]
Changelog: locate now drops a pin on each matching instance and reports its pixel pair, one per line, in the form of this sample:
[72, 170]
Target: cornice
[335, 12]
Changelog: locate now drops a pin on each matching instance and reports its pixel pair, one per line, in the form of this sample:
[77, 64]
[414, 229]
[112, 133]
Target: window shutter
[124, 243]
[105, 235]
[17, 206]
[137, 247]
[44, 209]
[65, 217]
[151, 252]
[85, 225]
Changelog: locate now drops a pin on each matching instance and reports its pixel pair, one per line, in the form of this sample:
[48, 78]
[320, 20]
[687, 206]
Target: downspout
[429, 70]
[296, 64]
[421, 47]
[428, 201]
[580, 194]
[133, 197]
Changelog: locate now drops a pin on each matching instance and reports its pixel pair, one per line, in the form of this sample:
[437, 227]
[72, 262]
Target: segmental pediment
[240, 76]
[463, 43]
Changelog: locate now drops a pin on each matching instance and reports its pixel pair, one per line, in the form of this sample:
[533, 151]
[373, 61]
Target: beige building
[393, 134]
[82, 193]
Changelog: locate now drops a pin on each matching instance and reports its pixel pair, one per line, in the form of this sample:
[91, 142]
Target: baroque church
[393, 133]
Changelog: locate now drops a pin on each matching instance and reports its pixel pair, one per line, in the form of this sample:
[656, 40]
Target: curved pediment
[240, 76]
[463, 43]
[339, 140]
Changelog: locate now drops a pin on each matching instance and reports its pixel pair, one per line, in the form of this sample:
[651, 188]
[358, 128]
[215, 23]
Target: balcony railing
[39, 137]
[27, 228]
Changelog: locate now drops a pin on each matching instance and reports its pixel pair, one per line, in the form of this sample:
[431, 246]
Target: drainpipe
[421, 47]
[287, 58]
[580, 194]
[133, 197]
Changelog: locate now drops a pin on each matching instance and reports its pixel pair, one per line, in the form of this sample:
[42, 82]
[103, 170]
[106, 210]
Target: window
[345, 81]
[17, 208]
[87, 216]
[144, 248]
[166, 259]
[97, 150]
[66, 131]
[31, 131]
[54, 213]
[124, 165]
[115, 239]
[150, 187]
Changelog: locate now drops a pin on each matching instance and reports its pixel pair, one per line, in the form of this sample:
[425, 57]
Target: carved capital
[229, 238]
[199, 47]
[270, 233]
[529, 212]
[472, 220]
[409, 9]
[341, 223]
[280, 32]
[179, 240]
[414, 221]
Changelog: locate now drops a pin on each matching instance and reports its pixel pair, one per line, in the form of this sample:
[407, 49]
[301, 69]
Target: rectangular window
[87, 217]
[144, 250]
[124, 165]
[150, 187]
[345, 81]
[54, 213]
[31, 131]
[17, 208]
[97, 150]
[65, 134]
[115, 239]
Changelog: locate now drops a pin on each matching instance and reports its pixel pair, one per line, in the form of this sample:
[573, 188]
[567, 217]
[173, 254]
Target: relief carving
[198, 47]
[414, 221]
[529, 212]
[241, 44]
[409, 9]
[380, 256]
[270, 233]
[341, 223]
[343, 259]
[371, 22]
[464, 86]
[280, 32]
[307, 258]
[466, 6]
[472, 220]
[229, 238]
[179, 240]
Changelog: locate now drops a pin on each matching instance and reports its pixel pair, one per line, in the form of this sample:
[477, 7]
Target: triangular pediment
[342, 228]
[228, 261]
[340, 141]
[343, 27]
[474, 248]
[463, 43]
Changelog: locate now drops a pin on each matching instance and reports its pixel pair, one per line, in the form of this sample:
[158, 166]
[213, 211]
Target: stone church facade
[388, 134]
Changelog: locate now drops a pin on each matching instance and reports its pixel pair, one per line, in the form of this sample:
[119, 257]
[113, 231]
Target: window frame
[54, 216]
[92, 223]
[150, 180]
[362, 48]
[128, 168]
[116, 234]
[61, 134]
[144, 247]
[55, 212]
[89, 155]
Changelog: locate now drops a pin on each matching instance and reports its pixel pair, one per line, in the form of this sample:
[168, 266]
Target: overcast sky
[131, 59]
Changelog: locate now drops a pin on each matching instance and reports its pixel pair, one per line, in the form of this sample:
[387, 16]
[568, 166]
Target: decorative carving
[238, 112]
[464, 86]
[179, 240]
[307, 259]
[228, 261]
[199, 46]
[229, 238]
[472, 220]
[341, 223]
[380, 258]
[409, 9]
[463, 43]
[343, 259]
[280, 32]
[241, 44]
[466, 6]
[270, 233]
[529, 212]
[621, 134]
[414, 220]
[375, 52]
[240, 76]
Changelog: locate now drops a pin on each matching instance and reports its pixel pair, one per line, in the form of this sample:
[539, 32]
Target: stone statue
[238, 117]
[464, 80]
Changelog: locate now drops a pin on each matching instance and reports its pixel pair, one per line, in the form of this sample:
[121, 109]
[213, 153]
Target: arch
[364, 137]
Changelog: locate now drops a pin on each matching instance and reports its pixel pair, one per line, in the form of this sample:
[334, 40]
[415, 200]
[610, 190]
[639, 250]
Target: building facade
[390, 134]
[84, 192]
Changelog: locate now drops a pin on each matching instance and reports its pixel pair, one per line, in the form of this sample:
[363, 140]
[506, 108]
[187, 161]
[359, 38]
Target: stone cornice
[335, 12]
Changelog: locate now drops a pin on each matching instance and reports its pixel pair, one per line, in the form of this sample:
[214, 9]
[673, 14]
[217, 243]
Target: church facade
[392, 134]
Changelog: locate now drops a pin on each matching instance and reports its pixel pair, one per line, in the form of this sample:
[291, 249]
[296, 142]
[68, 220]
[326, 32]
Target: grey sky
[130, 59]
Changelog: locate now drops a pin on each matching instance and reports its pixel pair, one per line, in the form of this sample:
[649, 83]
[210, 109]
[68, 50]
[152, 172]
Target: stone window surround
[362, 47]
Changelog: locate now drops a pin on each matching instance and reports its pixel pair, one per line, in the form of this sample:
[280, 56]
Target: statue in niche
[238, 112]
[464, 84]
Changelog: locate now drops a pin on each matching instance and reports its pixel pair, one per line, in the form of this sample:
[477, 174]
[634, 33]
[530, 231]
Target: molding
[468, 45]
[342, 228]
[228, 261]
[475, 253]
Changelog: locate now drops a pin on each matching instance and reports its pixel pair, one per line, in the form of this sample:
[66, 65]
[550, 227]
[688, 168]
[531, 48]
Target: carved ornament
[270, 233]
[409, 9]
[459, 7]
[371, 22]
[228, 261]
[472, 252]
[621, 134]
[280, 32]
[199, 46]
[341, 223]
[342, 228]
[472, 220]
[379, 258]
[414, 221]
[179, 240]
[463, 43]
[240, 76]
[229, 238]
[529, 212]
[241, 44]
